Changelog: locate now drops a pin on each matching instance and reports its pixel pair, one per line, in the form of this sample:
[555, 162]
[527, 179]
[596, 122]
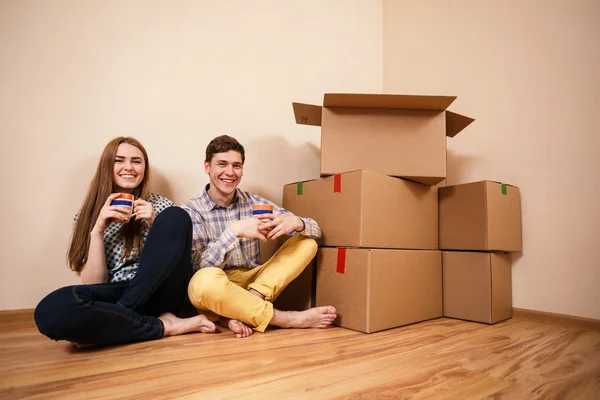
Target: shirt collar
[211, 205]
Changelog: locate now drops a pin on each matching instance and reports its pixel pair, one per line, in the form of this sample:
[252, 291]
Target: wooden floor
[444, 358]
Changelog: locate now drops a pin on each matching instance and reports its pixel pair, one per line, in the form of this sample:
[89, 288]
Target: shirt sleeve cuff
[228, 239]
[305, 223]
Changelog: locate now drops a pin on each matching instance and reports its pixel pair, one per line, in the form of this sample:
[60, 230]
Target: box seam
[368, 294]
[487, 222]
[491, 267]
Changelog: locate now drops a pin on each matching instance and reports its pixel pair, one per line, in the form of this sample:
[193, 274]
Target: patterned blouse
[119, 269]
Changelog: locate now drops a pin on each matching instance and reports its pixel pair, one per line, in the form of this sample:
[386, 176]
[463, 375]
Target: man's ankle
[282, 319]
[256, 293]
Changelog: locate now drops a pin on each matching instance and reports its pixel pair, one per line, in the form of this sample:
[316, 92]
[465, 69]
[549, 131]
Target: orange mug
[124, 201]
[258, 209]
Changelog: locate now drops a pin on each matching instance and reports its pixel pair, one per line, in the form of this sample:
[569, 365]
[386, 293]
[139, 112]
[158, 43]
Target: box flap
[307, 114]
[482, 183]
[412, 102]
[500, 183]
[456, 123]
[295, 183]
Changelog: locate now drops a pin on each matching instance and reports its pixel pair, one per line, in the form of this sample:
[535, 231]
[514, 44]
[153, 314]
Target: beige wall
[176, 73]
[529, 72]
[173, 74]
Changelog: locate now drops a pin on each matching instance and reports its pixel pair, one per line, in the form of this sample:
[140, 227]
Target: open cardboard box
[396, 135]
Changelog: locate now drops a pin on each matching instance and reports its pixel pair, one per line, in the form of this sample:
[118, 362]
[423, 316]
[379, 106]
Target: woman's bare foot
[317, 317]
[240, 329]
[178, 326]
[82, 346]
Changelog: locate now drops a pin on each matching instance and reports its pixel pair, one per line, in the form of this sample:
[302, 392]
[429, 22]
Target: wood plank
[446, 358]
[26, 315]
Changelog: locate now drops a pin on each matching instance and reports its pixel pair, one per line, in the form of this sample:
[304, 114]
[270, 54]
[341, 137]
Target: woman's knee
[174, 218]
[52, 313]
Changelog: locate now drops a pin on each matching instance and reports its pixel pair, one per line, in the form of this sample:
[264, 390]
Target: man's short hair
[222, 144]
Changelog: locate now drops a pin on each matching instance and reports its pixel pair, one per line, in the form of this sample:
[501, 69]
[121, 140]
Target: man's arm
[216, 253]
[206, 253]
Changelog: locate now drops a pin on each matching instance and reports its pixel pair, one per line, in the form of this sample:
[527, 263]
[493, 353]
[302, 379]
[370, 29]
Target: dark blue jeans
[113, 313]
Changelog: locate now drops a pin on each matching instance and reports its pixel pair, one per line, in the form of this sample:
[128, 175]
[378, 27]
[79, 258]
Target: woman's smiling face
[129, 168]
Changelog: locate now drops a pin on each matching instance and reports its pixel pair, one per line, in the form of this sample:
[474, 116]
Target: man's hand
[279, 225]
[250, 228]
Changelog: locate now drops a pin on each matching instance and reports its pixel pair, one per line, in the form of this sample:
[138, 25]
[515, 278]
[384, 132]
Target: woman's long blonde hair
[100, 188]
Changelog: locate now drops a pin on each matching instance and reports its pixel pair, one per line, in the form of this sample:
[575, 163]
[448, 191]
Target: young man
[229, 284]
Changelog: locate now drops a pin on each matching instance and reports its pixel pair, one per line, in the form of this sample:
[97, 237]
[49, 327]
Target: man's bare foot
[178, 326]
[240, 329]
[318, 317]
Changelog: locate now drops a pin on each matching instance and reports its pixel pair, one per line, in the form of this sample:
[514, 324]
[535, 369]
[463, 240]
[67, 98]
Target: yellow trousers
[216, 292]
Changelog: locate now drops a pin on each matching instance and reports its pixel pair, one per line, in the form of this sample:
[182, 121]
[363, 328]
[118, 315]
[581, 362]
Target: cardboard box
[367, 209]
[376, 289]
[480, 216]
[396, 135]
[477, 286]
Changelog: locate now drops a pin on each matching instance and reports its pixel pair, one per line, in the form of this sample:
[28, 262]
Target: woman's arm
[94, 270]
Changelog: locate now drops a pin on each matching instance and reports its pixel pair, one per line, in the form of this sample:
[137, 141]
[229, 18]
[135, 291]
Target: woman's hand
[108, 213]
[144, 211]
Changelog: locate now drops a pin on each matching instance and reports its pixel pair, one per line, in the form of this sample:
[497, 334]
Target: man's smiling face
[225, 171]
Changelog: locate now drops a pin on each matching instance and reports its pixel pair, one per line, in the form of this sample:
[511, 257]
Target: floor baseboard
[16, 316]
[558, 319]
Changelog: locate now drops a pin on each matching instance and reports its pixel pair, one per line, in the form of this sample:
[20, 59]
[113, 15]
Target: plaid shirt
[214, 245]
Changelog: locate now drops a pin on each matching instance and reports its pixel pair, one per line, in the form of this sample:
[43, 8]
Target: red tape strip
[341, 261]
[337, 183]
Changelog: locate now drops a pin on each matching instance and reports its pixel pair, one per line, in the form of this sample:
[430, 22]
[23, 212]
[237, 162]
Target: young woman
[128, 294]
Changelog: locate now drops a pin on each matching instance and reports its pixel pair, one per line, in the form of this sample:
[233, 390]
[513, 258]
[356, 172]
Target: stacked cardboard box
[480, 223]
[379, 262]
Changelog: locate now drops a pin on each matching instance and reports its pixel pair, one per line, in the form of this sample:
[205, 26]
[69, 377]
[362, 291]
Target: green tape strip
[299, 188]
[503, 188]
